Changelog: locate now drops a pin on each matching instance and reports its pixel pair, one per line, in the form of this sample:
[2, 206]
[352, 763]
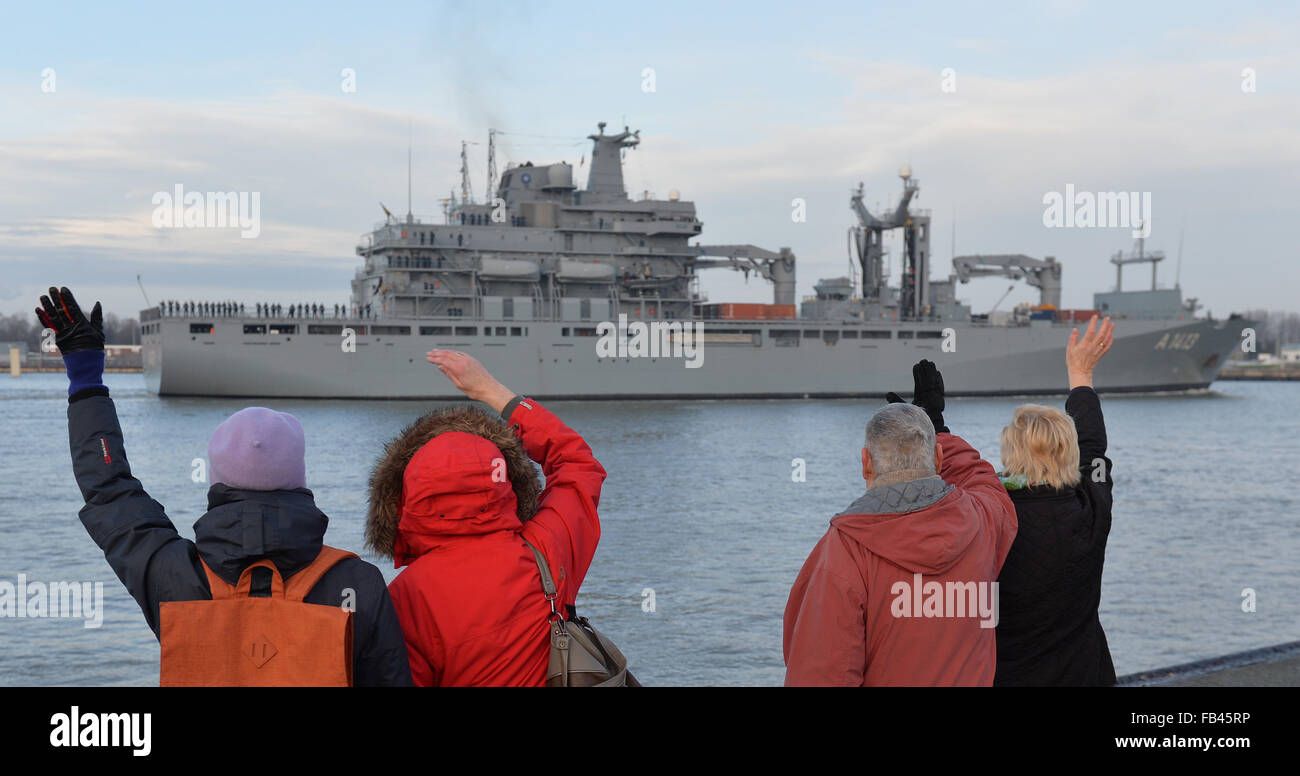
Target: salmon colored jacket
[853, 617]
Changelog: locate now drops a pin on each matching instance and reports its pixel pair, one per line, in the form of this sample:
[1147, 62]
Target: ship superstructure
[531, 280]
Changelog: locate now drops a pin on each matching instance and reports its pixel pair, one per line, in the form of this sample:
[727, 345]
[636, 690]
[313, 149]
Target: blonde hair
[1042, 445]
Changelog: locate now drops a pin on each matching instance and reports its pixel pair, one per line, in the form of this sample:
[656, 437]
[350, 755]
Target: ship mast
[409, 217]
[466, 193]
[1140, 256]
[492, 165]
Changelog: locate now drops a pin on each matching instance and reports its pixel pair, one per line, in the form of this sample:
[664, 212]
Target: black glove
[72, 331]
[81, 341]
[927, 393]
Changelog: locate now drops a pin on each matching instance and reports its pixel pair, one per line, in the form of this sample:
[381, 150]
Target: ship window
[516, 331]
[584, 308]
[283, 328]
[850, 335]
[501, 331]
[466, 331]
[811, 333]
[255, 328]
[508, 307]
[875, 334]
[785, 338]
[906, 334]
[830, 337]
[317, 328]
[390, 330]
[201, 328]
[584, 332]
[564, 332]
[929, 334]
[437, 331]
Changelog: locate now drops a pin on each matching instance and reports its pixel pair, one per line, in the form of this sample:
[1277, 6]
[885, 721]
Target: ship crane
[869, 238]
[775, 267]
[1043, 274]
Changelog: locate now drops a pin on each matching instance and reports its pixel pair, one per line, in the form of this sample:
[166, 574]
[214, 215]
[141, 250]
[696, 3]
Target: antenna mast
[492, 164]
[409, 217]
[466, 193]
[1178, 270]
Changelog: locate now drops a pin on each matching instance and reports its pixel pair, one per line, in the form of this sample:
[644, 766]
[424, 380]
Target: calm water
[700, 507]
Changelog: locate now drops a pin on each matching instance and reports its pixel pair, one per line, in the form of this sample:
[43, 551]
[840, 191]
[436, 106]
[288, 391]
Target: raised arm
[132, 529]
[1083, 405]
[960, 464]
[566, 526]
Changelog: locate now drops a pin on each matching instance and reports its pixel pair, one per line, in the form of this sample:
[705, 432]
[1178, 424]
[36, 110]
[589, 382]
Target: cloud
[87, 166]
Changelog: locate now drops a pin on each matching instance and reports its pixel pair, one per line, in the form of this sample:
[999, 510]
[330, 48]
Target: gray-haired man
[902, 588]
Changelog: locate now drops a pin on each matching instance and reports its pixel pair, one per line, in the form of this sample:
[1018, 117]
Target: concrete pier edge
[1227, 670]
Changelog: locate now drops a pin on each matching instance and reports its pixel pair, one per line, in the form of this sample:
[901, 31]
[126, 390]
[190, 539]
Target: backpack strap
[301, 583]
[296, 589]
[220, 588]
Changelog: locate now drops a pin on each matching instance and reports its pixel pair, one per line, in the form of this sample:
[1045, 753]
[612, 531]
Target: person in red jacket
[902, 588]
[453, 499]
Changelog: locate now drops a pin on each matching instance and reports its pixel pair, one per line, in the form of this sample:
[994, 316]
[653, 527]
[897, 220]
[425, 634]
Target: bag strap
[222, 589]
[548, 582]
[299, 585]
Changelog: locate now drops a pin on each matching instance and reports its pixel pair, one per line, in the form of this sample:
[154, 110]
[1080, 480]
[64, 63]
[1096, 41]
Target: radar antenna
[466, 190]
[492, 164]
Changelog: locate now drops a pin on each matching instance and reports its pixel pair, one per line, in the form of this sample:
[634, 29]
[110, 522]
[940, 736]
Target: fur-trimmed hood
[447, 473]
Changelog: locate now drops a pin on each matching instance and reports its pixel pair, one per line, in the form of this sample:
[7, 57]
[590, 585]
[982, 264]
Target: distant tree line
[23, 327]
[1275, 328]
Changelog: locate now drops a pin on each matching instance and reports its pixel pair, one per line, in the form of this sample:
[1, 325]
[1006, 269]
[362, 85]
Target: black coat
[1050, 586]
[157, 564]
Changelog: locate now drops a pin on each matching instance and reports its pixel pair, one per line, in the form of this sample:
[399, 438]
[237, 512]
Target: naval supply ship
[558, 289]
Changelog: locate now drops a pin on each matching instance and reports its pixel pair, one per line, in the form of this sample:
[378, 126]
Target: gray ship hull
[544, 361]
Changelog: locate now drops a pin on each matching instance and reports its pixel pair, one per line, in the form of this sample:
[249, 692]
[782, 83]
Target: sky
[754, 105]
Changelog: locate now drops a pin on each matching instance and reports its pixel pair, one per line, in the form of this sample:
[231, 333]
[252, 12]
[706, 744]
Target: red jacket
[851, 618]
[471, 603]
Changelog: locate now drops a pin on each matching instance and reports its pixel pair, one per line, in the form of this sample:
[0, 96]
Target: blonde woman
[1057, 474]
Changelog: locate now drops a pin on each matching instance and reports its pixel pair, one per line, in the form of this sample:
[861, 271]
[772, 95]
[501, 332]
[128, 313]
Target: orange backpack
[235, 640]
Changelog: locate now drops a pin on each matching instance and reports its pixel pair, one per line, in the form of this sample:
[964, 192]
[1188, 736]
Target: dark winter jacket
[156, 564]
[1049, 632]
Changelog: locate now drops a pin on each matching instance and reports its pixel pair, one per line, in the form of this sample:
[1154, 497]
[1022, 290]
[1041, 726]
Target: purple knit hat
[258, 449]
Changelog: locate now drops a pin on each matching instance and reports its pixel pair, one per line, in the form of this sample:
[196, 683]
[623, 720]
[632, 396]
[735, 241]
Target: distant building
[4, 352]
[1291, 353]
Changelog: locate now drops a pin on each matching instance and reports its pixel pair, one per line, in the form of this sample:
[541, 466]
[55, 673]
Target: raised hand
[927, 392]
[1083, 353]
[72, 330]
[471, 378]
